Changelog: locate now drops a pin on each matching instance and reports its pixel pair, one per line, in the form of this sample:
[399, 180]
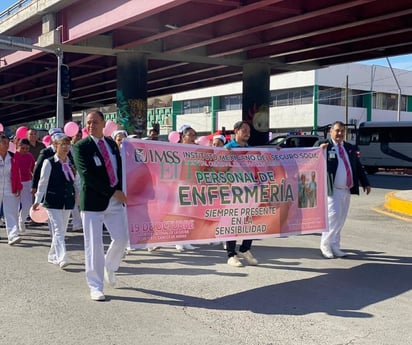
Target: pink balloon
[47, 140]
[12, 147]
[85, 133]
[1, 128]
[174, 137]
[71, 129]
[109, 128]
[21, 132]
[40, 215]
[204, 141]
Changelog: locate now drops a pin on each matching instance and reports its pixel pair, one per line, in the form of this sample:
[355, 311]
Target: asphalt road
[293, 297]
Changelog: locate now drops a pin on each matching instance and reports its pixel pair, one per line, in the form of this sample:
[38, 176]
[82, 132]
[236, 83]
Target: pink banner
[200, 194]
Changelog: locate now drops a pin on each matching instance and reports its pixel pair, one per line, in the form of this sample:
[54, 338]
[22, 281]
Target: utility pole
[399, 91]
[17, 43]
[59, 97]
[346, 105]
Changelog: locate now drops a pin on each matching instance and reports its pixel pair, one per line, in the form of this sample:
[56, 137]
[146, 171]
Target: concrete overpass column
[132, 92]
[48, 22]
[255, 101]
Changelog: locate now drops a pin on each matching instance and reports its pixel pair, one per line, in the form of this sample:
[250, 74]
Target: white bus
[385, 145]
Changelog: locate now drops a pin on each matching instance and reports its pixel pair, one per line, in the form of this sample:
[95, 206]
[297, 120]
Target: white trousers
[11, 214]
[114, 218]
[338, 207]
[26, 199]
[58, 220]
[76, 218]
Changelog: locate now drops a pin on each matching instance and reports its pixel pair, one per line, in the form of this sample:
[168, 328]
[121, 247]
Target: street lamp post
[15, 43]
[59, 97]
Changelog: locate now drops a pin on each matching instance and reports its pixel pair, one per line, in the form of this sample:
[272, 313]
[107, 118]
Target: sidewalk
[399, 202]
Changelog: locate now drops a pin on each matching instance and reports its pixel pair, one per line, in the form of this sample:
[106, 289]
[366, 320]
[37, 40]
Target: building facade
[351, 93]
[299, 101]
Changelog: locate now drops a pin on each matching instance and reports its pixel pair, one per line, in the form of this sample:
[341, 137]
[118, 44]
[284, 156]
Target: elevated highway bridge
[186, 44]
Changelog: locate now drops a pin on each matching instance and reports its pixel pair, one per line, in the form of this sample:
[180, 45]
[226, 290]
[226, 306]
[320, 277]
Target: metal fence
[13, 9]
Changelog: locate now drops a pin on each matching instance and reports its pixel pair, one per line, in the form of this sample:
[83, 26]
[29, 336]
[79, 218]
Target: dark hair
[340, 123]
[154, 130]
[98, 112]
[239, 124]
[24, 141]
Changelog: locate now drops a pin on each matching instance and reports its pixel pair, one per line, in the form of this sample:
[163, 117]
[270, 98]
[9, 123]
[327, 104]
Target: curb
[398, 202]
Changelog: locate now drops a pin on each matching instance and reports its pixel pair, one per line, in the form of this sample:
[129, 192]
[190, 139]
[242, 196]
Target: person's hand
[33, 191]
[119, 195]
[324, 146]
[35, 206]
[367, 189]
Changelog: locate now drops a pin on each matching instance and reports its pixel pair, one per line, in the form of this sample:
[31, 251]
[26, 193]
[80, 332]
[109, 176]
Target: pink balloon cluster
[85, 133]
[12, 147]
[40, 215]
[204, 141]
[174, 137]
[21, 132]
[109, 128]
[71, 129]
[47, 140]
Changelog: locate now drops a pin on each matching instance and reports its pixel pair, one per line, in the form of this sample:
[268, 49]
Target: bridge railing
[13, 9]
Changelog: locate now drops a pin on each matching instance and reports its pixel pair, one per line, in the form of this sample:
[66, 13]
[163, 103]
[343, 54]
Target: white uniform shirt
[5, 176]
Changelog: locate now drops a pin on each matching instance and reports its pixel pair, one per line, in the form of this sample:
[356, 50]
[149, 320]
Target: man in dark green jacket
[102, 201]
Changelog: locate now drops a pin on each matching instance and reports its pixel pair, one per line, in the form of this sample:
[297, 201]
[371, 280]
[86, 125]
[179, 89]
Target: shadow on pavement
[342, 292]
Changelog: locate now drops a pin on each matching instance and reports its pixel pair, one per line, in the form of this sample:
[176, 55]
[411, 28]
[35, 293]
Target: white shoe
[15, 240]
[22, 227]
[63, 264]
[339, 253]
[152, 249]
[110, 277]
[248, 257]
[189, 247]
[234, 261]
[326, 252]
[180, 248]
[97, 296]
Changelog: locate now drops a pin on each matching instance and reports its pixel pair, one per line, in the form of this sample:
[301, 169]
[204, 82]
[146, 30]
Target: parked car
[292, 140]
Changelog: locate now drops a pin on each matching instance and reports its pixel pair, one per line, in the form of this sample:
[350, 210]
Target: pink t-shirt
[26, 164]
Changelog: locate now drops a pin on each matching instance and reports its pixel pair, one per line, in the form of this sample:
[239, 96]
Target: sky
[402, 61]
[4, 4]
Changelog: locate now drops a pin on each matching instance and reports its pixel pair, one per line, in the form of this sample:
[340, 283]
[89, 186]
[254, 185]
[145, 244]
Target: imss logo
[142, 155]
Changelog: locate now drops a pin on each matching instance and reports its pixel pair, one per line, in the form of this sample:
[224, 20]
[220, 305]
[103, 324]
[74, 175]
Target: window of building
[388, 101]
[355, 98]
[331, 95]
[194, 106]
[231, 102]
[296, 96]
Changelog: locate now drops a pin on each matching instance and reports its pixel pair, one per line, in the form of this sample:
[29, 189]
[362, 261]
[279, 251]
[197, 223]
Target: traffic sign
[16, 43]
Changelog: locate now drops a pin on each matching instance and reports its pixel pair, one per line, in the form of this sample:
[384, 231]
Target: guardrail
[13, 9]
